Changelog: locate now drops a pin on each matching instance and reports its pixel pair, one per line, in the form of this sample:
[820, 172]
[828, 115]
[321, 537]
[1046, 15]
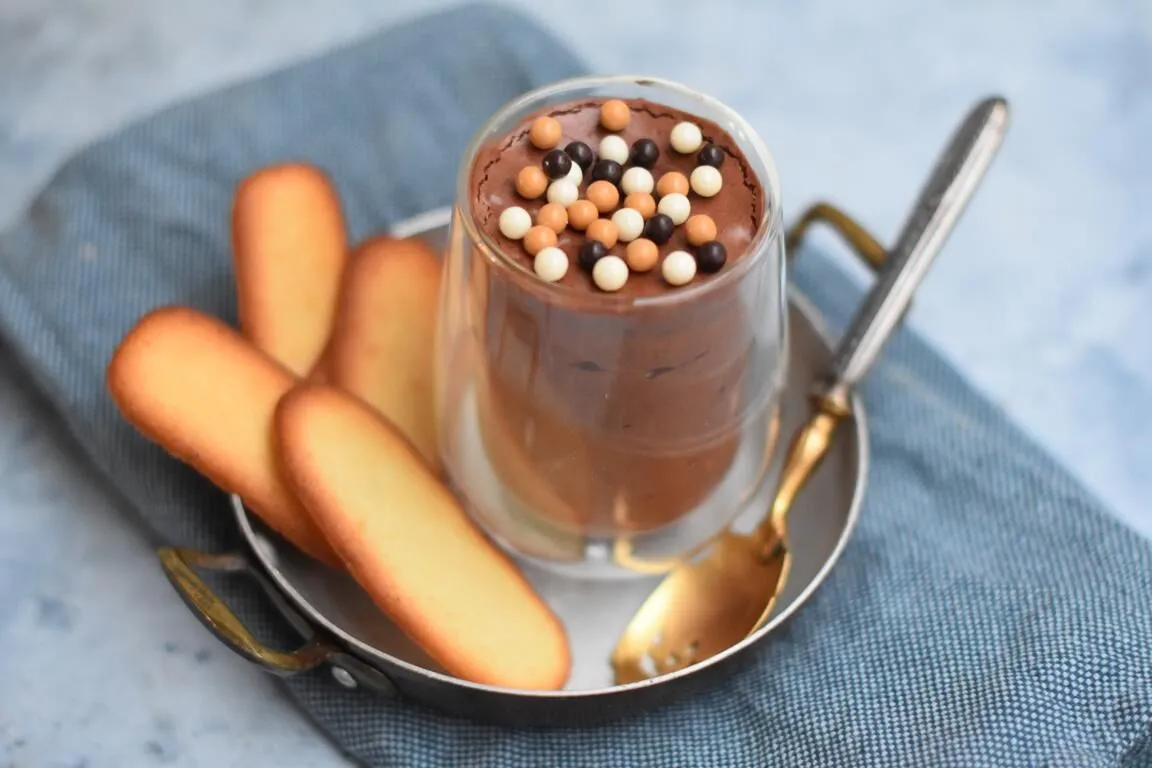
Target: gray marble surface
[1043, 298]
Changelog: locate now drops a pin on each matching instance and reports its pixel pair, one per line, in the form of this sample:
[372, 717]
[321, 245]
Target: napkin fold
[987, 612]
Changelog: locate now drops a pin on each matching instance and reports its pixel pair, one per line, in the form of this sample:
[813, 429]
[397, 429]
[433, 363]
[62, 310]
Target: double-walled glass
[604, 434]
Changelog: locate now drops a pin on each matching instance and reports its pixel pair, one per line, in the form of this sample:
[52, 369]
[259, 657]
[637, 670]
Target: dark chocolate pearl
[557, 164]
[644, 154]
[580, 153]
[710, 154]
[659, 228]
[607, 170]
[710, 256]
[590, 253]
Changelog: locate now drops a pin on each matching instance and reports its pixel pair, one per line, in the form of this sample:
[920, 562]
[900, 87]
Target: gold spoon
[708, 605]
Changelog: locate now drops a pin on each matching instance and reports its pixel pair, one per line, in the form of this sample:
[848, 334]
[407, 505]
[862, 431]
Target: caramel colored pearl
[672, 183]
[603, 195]
[531, 182]
[545, 133]
[700, 229]
[614, 115]
[553, 216]
[641, 255]
[539, 238]
[582, 213]
[601, 229]
[642, 203]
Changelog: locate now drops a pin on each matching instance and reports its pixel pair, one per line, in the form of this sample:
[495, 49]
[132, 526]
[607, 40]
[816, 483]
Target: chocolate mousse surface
[627, 419]
[736, 210]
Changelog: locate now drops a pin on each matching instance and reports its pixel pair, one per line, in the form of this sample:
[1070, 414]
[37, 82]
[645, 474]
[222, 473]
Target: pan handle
[863, 243]
[179, 564]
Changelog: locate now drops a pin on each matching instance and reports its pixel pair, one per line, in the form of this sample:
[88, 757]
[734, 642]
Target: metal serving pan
[345, 630]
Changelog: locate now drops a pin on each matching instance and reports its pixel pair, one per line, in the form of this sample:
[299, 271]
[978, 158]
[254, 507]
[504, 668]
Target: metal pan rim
[438, 218]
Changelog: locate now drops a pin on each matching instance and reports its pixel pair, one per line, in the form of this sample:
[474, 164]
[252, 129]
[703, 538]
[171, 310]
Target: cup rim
[768, 230]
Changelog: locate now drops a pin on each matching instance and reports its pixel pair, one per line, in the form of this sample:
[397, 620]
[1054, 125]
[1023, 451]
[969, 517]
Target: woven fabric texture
[987, 613]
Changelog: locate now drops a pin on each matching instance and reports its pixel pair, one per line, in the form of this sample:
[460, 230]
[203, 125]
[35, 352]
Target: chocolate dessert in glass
[612, 340]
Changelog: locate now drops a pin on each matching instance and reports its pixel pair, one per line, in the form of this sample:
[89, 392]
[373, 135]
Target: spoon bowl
[712, 602]
[682, 622]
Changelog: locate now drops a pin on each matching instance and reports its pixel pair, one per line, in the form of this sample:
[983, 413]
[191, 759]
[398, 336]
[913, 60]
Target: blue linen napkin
[988, 612]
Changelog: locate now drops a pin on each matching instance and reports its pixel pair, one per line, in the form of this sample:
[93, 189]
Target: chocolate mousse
[605, 412]
[735, 210]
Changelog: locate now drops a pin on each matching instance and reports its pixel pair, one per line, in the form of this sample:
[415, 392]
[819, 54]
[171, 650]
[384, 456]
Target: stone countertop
[1043, 298]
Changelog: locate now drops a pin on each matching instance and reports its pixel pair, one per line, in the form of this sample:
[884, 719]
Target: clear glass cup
[601, 434]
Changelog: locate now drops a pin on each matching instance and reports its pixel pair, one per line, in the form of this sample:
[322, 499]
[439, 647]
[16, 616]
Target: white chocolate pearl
[610, 273]
[576, 176]
[679, 268]
[551, 263]
[629, 224]
[563, 192]
[637, 180]
[706, 180]
[614, 148]
[676, 207]
[686, 138]
[515, 222]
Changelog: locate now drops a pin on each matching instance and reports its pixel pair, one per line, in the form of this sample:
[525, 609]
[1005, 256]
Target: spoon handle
[955, 177]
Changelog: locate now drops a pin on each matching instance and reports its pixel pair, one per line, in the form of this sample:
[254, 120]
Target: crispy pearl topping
[610, 273]
[515, 222]
[678, 268]
[609, 210]
[551, 264]
[615, 115]
[545, 132]
[686, 138]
